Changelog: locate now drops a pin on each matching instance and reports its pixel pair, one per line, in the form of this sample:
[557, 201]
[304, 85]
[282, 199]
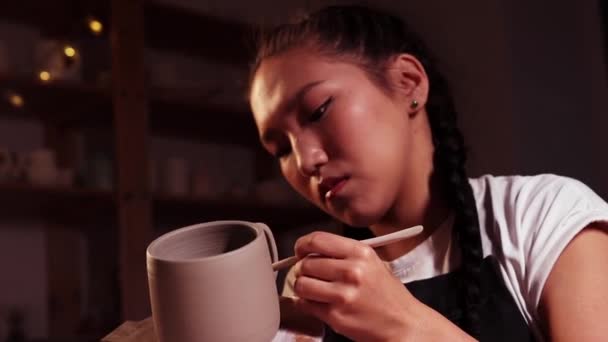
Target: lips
[329, 187]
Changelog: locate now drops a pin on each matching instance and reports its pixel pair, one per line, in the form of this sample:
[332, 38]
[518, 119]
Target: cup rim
[248, 224]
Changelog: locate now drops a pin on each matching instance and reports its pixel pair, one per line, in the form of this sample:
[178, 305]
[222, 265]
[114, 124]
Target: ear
[409, 81]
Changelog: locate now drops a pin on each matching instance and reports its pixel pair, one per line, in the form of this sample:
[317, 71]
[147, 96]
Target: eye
[320, 111]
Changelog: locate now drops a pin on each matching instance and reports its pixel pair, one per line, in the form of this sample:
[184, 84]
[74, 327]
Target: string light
[69, 51]
[95, 26]
[44, 76]
[15, 99]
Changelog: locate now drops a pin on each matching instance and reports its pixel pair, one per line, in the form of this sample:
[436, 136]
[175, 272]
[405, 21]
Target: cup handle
[272, 245]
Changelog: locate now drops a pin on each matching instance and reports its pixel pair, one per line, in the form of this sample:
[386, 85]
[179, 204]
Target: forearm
[432, 326]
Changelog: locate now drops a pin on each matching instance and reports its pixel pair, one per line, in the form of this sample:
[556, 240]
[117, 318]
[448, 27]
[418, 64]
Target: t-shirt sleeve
[550, 212]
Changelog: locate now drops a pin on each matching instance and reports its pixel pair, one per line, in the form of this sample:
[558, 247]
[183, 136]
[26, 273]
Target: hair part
[369, 39]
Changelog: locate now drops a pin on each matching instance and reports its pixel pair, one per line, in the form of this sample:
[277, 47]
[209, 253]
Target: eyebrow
[289, 105]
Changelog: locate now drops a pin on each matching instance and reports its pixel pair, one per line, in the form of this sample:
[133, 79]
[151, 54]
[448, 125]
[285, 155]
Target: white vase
[41, 168]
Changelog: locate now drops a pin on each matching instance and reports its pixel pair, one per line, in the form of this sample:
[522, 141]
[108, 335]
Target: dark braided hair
[369, 38]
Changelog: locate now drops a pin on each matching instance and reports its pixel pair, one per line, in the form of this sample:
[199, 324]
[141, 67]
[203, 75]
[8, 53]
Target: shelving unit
[57, 204]
[165, 27]
[63, 103]
[58, 102]
[134, 111]
[76, 205]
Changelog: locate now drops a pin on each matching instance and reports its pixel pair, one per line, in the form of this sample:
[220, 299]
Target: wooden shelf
[69, 103]
[212, 38]
[61, 106]
[166, 27]
[192, 210]
[172, 116]
[53, 18]
[81, 205]
[58, 204]
[57, 102]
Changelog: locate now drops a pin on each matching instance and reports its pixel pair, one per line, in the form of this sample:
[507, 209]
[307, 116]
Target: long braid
[372, 38]
[450, 158]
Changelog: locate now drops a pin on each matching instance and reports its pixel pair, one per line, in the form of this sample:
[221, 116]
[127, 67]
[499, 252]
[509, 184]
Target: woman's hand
[347, 286]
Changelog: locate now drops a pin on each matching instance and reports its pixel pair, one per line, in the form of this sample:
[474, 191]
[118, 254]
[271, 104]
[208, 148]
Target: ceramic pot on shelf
[41, 169]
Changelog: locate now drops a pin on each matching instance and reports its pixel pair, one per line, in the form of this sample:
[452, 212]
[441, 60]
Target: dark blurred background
[121, 120]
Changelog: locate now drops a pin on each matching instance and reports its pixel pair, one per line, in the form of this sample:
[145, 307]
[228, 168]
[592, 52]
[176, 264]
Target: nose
[309, 155]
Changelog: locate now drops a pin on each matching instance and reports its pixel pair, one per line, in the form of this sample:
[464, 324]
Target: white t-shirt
[525, 223]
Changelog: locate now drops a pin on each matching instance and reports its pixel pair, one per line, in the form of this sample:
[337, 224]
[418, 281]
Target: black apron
[500, 317]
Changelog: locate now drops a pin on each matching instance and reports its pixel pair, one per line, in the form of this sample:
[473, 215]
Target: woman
[362, 124]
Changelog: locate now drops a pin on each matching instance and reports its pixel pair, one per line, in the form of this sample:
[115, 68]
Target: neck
[430, 212]
[422, 200]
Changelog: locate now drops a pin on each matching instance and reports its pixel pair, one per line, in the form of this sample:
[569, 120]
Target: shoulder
[530, 187]
[527, 221]
[524, 213]
[520, 198]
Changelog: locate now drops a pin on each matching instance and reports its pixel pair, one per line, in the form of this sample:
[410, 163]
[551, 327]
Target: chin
[357, 217]
[359, 221]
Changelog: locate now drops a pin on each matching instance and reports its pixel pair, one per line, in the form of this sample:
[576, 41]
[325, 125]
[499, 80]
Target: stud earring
[414, 104]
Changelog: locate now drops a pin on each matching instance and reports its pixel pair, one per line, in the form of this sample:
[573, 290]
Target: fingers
[322, 291]
[324, 312]
[330, 245]
[330, 269]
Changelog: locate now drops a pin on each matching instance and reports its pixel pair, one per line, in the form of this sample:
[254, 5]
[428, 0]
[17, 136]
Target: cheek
[347, 125]
[362, 130]
[373, 138]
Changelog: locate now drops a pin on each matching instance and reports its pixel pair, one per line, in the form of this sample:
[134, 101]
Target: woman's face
[342, 142]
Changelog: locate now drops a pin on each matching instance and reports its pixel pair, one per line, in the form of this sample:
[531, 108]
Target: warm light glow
[16, 100]
[69, 51]
[45, 76]
[95, 26]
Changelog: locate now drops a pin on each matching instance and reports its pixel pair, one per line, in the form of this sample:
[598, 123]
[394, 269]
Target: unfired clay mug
[213, 282]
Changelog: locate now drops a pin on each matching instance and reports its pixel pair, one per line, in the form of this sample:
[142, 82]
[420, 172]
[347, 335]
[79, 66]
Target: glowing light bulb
[45, 76]
[69, 51]
[16, 100]
[95, 26]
